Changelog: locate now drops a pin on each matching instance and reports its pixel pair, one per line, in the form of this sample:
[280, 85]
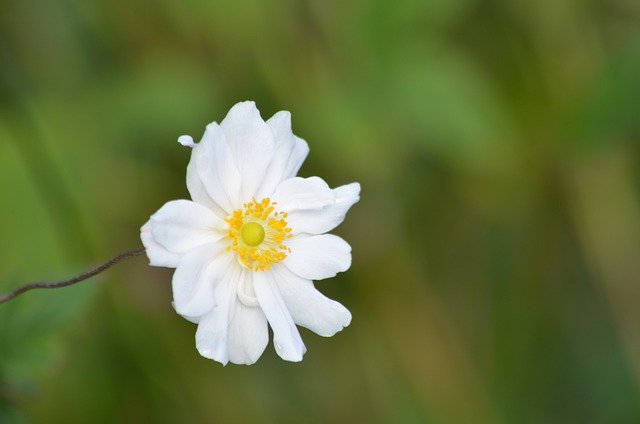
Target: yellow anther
[257, 233]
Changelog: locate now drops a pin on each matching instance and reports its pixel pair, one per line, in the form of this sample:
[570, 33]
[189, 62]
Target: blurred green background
[496, 248]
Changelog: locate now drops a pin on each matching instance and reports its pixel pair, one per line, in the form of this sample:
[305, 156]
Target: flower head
[248, 245]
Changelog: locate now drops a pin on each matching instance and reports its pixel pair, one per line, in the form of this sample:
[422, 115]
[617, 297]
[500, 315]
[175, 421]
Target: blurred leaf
[611, 111]
[448, 108]
[30, 324]
[10, 415]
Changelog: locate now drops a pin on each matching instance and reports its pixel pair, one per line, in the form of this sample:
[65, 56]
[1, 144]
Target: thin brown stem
[73, 280]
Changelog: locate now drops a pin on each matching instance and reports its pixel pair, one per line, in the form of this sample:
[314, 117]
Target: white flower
[248, 246]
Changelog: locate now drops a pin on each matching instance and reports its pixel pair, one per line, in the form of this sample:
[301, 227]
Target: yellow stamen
[257, 233]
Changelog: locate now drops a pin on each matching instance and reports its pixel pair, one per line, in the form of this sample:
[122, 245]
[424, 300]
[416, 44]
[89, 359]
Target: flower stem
[73, 280]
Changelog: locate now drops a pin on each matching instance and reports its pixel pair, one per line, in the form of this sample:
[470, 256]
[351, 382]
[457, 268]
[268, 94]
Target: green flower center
[252, 234]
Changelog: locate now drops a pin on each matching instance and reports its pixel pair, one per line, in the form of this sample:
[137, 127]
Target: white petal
[312, 206]
[298, 155]
[346, 196]
[308, 307]
[303, 193]
[290, 152]
[212, 176]
[186, 141]
[158, 255]
[318, 257]
[286, 337]
[248, 334]
[194, 320]
[195, 185]
[251, 144]
[212, 336]
[196, 276]
[177, 227]
[246, 293]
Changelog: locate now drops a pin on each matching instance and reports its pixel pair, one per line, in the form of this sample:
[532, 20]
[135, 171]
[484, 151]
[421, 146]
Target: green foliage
[33, 247]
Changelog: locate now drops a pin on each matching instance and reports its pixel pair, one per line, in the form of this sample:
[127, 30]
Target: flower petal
[312, 206]
[196, 276]
[212, 336]
[346, 196]
[318, 257]
[157, 254]
[290, 152]
[286, 337]
[212, 176]
[308, 307]
[251, 144]
[248, 334]
[303, 193]
[177, 227]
